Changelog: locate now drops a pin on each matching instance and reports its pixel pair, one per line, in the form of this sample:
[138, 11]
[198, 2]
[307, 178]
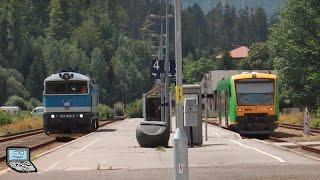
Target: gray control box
[194, 115]
[190, 112]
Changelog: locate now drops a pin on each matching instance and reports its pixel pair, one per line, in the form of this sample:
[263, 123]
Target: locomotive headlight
[81, 115]
[239, 109]
[52, 116]
[271, 109]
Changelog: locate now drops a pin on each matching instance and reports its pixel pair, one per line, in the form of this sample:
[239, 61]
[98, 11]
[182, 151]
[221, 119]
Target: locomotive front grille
[256, 114]
[256, 122]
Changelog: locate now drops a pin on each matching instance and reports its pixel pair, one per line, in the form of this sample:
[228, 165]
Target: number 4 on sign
[156, 65]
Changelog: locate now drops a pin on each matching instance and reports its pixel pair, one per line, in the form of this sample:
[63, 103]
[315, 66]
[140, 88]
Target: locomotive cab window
[255, 92]
[70, 87]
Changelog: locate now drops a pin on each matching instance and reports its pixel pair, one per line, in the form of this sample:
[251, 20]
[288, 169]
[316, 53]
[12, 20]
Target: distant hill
[270, 6]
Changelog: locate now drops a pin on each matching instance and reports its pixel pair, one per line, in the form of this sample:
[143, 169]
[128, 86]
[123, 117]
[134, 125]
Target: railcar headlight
[52, 116]
[271, 109]
[81, 115]
[239, 109]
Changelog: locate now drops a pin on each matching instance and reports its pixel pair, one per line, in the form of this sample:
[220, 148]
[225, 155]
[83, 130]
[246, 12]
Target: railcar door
[227, 107]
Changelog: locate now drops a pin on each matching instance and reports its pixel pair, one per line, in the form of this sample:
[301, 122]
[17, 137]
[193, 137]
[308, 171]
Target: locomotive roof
[74, 77]
[250, 75]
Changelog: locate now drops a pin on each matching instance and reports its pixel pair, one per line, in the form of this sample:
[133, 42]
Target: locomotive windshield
[255, 92]
[66, 87]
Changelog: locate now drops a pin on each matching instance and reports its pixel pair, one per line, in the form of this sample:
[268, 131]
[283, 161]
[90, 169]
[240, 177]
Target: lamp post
[164, 85]
[180, 141]
[160, 57]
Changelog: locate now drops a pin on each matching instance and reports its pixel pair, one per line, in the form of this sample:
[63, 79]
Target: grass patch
[297, 119]
[23, 122]
[294, 118]
[161, 149]
[315, 122]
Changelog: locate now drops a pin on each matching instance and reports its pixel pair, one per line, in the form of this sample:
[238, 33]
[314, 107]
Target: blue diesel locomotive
[70, 102]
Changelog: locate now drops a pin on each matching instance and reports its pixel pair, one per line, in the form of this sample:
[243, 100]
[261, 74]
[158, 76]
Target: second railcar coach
[249, 103]
[70, 102]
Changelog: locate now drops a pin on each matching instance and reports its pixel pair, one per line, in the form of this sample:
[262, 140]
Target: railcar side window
[70, 87]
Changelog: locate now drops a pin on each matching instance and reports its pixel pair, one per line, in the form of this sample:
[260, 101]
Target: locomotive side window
[70, 87]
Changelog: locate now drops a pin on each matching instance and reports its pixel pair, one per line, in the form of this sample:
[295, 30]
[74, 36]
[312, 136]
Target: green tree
[194, 71]
[4, 41]
[11, 83]
[242, 34]
[17, 101]
[195, 31]
[99, 71]
[258, 58]
[260, 25]
[131, 74]
[229, 18]
[294, 46]
[87, 36]
[58, 24]
[36, 75]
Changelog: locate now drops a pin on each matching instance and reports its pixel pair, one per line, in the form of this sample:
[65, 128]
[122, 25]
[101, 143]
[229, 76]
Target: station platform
[113, 153]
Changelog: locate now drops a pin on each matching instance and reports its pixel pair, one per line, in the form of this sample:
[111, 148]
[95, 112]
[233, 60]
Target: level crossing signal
[157, 68]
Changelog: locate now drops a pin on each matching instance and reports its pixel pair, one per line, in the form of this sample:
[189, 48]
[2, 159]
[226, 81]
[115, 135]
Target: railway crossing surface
[113, 153]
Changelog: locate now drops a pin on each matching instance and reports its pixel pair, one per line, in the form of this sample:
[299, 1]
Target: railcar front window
[255, 92]
[71, 87]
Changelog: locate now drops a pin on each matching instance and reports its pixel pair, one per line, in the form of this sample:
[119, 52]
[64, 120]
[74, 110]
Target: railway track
[297, 127]
[304, 147]
[289, 126]
[34, 139]
[10, 137]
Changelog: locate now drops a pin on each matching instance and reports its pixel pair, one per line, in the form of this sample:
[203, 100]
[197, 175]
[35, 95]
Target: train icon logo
[18, 159]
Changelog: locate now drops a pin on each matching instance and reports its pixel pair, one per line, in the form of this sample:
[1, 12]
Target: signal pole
[162, 75]
[161, 83]
[167, 118]
[180, 141]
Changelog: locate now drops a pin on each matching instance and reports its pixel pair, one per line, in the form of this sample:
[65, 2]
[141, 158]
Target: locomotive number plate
[67, 115]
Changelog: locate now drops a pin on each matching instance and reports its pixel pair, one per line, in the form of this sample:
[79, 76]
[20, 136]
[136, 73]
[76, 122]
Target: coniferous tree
[37, 74]
[259, 20]
[58, 24]
[242, 36]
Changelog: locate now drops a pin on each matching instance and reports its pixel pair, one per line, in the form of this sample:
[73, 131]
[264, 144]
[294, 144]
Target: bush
[105, 112]
[16, 101]
[32, 103]
[134, 109]
[119, 112]
[5, 118]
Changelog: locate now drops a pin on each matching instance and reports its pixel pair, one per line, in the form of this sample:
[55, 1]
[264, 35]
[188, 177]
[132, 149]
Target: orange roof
[239, 53]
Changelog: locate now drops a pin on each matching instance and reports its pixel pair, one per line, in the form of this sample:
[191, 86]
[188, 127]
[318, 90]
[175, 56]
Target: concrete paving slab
[114, 149]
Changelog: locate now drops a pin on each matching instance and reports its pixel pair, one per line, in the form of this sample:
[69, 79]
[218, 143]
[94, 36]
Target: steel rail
[297, 127]
[304, 147]
[20, 135]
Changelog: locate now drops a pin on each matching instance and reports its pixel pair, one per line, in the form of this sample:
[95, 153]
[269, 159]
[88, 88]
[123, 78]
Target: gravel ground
[295, 135]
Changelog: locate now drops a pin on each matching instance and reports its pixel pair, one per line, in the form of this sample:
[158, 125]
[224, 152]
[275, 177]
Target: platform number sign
[172, 69]
[157, 67]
